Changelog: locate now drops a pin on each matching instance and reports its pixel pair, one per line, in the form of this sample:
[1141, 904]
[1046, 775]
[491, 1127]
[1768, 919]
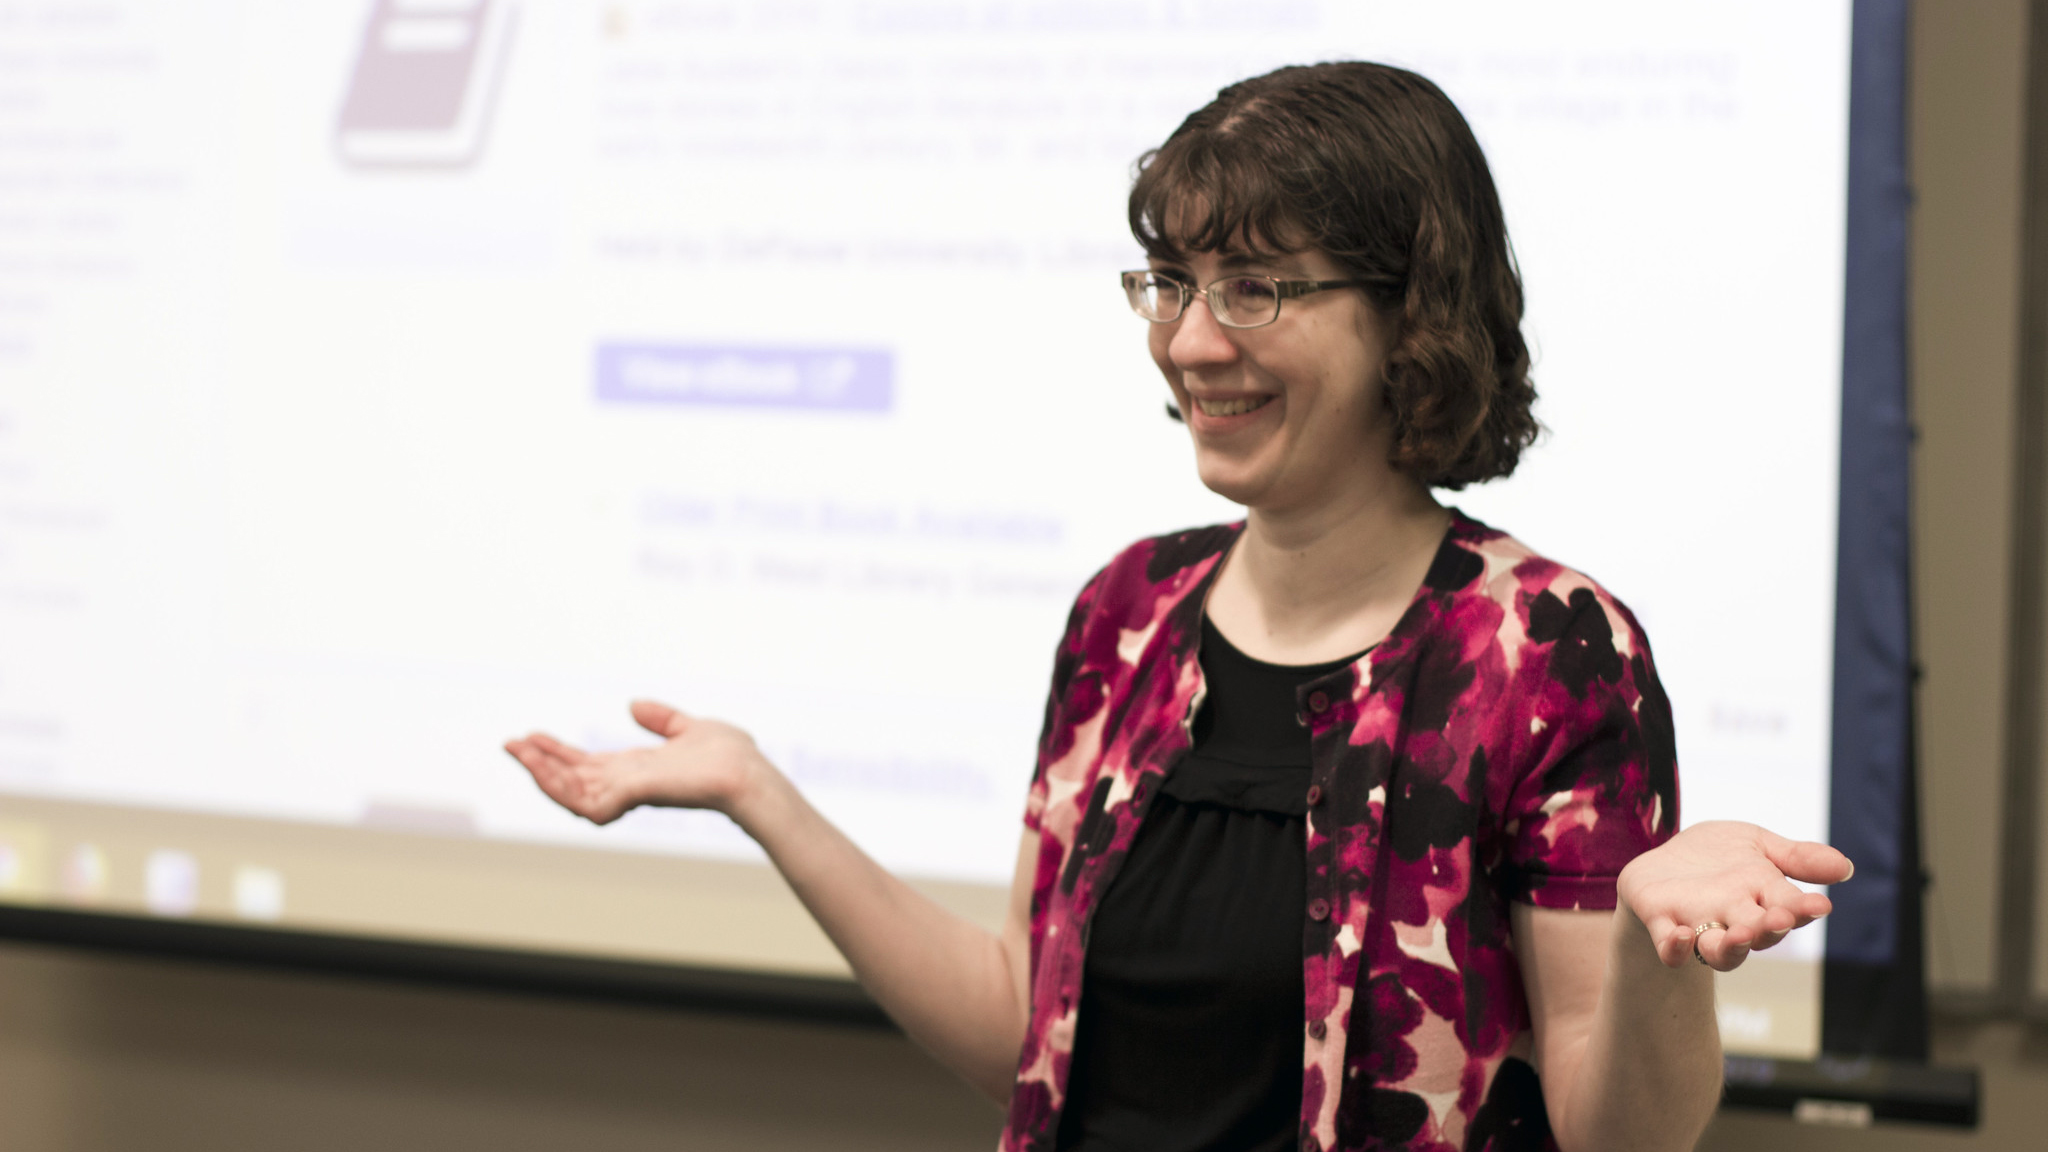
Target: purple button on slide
[836, 379]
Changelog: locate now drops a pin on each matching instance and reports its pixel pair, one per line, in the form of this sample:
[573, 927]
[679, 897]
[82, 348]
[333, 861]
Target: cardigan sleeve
[1601, 785]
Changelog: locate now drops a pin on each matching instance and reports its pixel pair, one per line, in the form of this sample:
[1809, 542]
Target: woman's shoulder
[1154, 571]
[1542, 663]
[1170, 559]
[1483, 574]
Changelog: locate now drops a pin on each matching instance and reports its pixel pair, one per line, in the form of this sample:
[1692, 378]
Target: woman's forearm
[1648, 1075]
[951, 984]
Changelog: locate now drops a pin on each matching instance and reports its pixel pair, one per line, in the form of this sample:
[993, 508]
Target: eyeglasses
[1235, 301]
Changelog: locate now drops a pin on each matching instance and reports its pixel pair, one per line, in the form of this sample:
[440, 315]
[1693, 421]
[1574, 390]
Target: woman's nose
[1198, 340]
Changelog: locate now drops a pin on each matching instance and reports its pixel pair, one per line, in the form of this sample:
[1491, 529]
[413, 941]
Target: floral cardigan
[1508, 741]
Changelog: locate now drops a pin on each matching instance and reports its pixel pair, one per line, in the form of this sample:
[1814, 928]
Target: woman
[1353, 824]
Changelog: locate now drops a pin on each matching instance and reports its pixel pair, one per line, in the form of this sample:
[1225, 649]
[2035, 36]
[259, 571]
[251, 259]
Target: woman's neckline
[1456, 522]
[1211, 634]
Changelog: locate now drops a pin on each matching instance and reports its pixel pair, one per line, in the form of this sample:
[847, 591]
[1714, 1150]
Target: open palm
[699, 764]
[1733, 874]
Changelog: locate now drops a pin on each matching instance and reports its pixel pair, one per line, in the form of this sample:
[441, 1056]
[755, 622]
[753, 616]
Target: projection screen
[380, 379]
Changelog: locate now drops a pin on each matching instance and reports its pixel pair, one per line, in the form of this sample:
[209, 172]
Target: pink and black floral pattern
[1508, 741]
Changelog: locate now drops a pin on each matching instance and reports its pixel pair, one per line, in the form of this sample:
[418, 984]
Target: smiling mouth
[1237, 407]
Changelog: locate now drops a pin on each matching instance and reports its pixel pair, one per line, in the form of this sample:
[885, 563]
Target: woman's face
[1289, 415]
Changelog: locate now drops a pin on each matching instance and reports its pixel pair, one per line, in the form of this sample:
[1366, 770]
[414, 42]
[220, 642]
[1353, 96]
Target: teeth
[1232, 407]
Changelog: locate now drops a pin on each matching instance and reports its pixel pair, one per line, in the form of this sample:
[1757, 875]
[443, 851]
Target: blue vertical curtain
[1875, 998]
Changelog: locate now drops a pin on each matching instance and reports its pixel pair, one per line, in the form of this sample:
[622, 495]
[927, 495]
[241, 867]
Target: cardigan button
[1315, 795]
[1319, 909]
[1317, 1030]
[1318, 702]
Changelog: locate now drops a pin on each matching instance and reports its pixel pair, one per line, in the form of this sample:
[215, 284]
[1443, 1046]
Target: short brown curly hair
[1374, 166]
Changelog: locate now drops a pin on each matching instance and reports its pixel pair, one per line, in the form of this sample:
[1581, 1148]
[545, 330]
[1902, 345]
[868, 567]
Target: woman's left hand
[1736, 874]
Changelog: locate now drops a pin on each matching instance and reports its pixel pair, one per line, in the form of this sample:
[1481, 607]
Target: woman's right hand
[699, 764]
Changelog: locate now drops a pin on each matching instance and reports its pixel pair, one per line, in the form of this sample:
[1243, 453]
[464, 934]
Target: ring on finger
[1700, 931]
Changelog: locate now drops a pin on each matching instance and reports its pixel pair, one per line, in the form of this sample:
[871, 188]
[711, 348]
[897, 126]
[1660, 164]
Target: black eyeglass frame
[1283, 290]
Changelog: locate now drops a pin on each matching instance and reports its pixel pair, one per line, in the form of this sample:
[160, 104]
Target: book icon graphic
[425, 80]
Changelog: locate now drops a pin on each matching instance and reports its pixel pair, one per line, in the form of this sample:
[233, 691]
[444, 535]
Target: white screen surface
[361, 406]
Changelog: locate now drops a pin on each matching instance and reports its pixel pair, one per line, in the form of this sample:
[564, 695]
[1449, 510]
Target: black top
[1190, 1029]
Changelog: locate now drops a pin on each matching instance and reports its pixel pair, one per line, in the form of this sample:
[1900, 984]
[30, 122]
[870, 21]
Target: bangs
[1212, 192]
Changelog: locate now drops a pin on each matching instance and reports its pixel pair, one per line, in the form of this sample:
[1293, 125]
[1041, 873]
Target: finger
[1807, 860]
[1722, 949]
[1744, 923]
[1773, 917]
[1672, 940]
[1704, 945]
[1676, 944]
[1803, 906]
[558, 776]
[659, 718]
[1754, 928]
[530, 755]
[550, 772]
[1772, 928]
[557, 783]
[1768, 940]
[549, 746]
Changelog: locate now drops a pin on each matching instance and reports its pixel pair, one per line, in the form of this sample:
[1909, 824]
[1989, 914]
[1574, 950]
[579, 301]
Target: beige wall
[1969, 79]
[100, 1053]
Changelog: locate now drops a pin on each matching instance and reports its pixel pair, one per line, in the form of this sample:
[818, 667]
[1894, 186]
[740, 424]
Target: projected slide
[380, 379]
